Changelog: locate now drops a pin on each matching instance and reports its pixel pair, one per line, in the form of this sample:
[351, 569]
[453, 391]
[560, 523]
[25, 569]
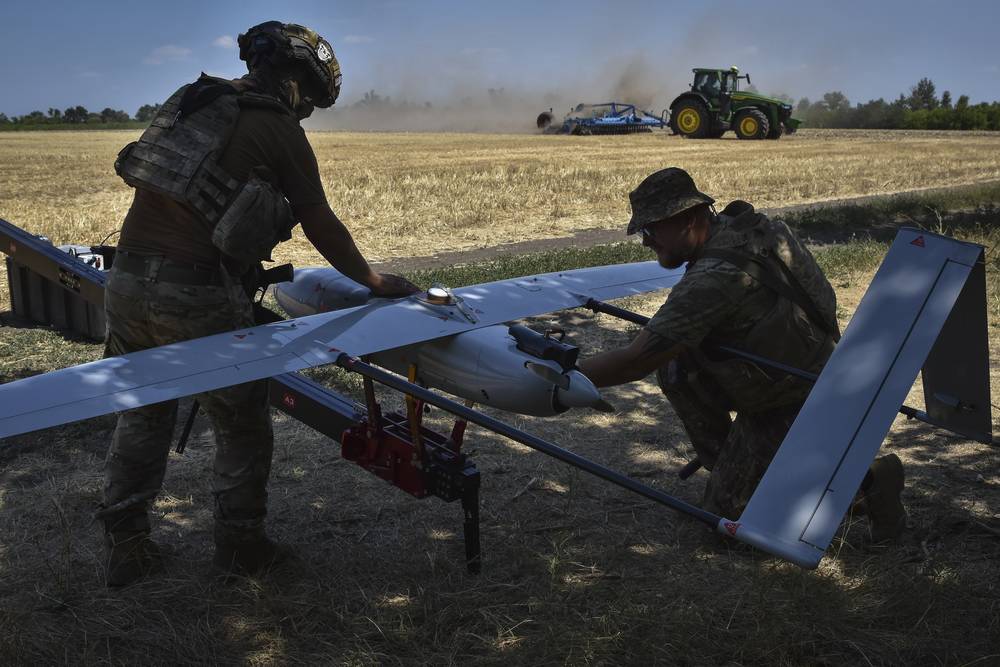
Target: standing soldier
[750, 284]
[221, 176]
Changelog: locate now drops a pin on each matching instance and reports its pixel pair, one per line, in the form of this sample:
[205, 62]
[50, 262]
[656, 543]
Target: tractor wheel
[775, 132]
[690, 119]
[751, 124]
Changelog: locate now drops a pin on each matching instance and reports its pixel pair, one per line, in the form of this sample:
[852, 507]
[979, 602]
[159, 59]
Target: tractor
[716, 104]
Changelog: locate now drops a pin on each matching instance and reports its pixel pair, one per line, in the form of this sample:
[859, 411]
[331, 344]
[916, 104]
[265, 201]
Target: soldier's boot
[131, 557]
[249, 558]
[886, 514]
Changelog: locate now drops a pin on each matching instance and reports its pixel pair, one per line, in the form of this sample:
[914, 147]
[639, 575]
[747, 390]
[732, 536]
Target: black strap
[788, 288]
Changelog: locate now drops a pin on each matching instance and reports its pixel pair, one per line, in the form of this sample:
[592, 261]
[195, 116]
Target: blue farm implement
[607, 118]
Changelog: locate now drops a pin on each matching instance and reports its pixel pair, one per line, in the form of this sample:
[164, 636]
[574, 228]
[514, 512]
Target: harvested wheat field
[419, 194]
[575, 571]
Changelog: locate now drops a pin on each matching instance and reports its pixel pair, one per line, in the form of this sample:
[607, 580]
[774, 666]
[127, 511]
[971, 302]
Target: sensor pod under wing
[222, 360]
[483, 365]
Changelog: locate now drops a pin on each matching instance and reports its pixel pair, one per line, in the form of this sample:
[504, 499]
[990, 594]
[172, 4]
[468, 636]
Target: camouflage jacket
[719, 303]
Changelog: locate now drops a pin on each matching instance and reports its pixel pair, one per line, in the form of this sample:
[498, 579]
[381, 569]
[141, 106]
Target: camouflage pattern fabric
[735, 451]
[717, 303]
[143, 313]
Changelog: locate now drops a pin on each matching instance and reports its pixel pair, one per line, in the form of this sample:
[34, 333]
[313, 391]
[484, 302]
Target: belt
[162, 269]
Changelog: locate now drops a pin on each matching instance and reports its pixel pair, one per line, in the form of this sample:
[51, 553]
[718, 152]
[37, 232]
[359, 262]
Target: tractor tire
[751, 124]
[690, 119]
[544, 120]
[776, 131]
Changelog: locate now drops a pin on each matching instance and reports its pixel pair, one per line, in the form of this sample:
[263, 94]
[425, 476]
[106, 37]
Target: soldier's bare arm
[334, 241]
[642, 356]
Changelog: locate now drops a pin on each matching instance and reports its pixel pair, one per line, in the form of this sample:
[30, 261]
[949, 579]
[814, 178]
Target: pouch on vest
[177, 156]
[258, 219]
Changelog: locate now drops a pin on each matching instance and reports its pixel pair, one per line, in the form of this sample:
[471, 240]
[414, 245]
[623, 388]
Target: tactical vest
[177, 156]
[799, 331]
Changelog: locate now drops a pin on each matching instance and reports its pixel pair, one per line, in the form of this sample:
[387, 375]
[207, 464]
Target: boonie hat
[663, 195]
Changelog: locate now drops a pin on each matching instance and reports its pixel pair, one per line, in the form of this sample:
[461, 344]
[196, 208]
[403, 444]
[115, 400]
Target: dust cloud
[418, 104]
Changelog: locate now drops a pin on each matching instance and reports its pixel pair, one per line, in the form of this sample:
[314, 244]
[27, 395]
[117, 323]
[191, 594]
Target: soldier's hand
[389, 285]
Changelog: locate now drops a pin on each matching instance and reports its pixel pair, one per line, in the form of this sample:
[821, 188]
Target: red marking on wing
[288, 400]
[919, 242]
[239, 336]
[732, 527]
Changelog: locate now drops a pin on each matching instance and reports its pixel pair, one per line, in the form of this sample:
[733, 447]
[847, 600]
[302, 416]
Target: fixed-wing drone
[924, 310]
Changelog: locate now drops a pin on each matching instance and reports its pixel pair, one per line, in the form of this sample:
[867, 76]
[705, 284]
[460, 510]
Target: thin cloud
[358, 39]
[224, 42]
[162, 54]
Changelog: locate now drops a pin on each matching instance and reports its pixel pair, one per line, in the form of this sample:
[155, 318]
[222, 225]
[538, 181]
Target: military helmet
[662, 195]
[292, 46]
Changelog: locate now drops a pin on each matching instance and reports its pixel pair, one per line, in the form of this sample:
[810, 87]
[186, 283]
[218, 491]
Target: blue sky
[102, 54]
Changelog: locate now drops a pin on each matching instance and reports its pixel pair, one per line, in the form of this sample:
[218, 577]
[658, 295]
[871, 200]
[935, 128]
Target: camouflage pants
[143, 313]
[735, 451]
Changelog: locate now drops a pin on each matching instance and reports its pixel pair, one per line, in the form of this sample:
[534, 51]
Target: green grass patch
[947, 211]
[49, 127]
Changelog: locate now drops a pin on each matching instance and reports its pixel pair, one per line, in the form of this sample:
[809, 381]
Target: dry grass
[419, 194]
[576, 571]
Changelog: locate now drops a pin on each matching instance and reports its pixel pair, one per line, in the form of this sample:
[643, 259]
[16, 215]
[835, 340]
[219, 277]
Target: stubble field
[575, 571]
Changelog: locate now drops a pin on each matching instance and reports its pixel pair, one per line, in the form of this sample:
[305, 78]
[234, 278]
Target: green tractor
[715, 104]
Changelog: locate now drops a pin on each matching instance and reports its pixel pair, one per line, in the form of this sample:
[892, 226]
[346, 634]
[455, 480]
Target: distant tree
[109, 115]
[963, 103]
[55, 115]
[4, 119]
[77, 114]
[146, 112]
[922, 95]
[33, 118]
[946, 99]
[803, 106]
[836, 101]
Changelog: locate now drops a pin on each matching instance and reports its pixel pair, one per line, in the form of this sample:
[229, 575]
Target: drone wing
[222, 360]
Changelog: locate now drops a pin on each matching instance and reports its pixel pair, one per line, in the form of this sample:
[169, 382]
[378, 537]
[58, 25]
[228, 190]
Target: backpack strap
[787, 287]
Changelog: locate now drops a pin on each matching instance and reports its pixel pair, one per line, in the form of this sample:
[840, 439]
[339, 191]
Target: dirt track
[815, 235]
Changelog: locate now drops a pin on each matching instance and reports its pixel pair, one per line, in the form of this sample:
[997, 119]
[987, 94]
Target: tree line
[79, 115]
[922, 109]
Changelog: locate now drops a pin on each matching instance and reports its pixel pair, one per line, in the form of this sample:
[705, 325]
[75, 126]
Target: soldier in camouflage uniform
[749, 284]
[221, 175]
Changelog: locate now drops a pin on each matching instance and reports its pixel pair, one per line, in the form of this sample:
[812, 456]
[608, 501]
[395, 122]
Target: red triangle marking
[919, 242]
[732, 527]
